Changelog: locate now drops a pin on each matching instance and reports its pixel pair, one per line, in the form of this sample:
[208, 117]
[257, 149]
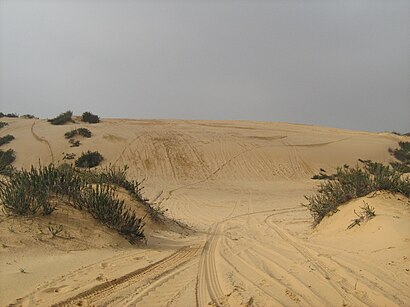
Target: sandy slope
[239, 185]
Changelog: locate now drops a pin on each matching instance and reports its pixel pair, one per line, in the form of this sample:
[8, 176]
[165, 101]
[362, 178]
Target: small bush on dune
[6, 159]
[84, 132]
[62, 118]
[6, 139]
[90, 118]
[104, 206]
[3, 124]
[89, 159]
[351, 183]
[27, 116]
[80, 131]
[74, 143]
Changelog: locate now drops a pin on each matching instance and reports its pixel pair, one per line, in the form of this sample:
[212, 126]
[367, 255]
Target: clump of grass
[104, 206]
[54, 229]
[351, 183]
[74, 143]
[80, 131]
[6, 139]
[89, 159]
[90, 118]
[367, 214]
[118, 176]
[6, 159]
[3, 124]
[62, 118]
[28, 193]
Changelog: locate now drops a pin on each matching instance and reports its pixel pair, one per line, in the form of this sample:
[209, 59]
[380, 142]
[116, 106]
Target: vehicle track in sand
[208, 287]
[43, 140]
[165, 290]
[208, 280]
[149, 272]
[340, 284]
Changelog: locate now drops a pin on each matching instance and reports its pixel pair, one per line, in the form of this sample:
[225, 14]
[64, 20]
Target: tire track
[166, 289]
[43, 140]
[153, 270]
[208, 280]
[340, 284]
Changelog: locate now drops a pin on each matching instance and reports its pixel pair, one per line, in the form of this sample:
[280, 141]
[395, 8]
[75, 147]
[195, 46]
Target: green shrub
[27, 116]
[74, 143]
[6, 159]
[104, 206]
[10, 115]
[80, 131]
[90, 118]
[3, 124]
[28, 193]
[89, 159]
[351, 183]
[84, 132]
[25, 193]
[6, 139]
[62, 118]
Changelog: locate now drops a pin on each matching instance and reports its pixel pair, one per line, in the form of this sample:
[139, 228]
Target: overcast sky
[335, 63]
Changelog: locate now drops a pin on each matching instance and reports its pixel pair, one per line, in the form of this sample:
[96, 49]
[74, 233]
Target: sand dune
[238, 185]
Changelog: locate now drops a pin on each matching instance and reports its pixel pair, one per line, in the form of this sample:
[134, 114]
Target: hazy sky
[335, 63]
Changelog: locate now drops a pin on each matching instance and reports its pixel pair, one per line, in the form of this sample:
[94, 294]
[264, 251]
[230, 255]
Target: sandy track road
[43, 140]
[208, 284]
[152, 271]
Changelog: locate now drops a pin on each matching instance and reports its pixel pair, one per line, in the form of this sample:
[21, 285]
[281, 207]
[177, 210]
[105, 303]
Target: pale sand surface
[239, 186]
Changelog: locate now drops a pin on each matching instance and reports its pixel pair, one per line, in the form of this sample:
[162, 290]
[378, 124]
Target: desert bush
[89, 159]
[90, 118]
[117, 176]
[28, 193]
[24, 194]
[352, 183]
[80, 131]
[84, 132]
[104, 206]
[74, 143]
[400, 167]
[27, 116]
[10, 115]
[70, 134]
[3, 124]
[62, 118]
[6, 139]
[6, 159]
